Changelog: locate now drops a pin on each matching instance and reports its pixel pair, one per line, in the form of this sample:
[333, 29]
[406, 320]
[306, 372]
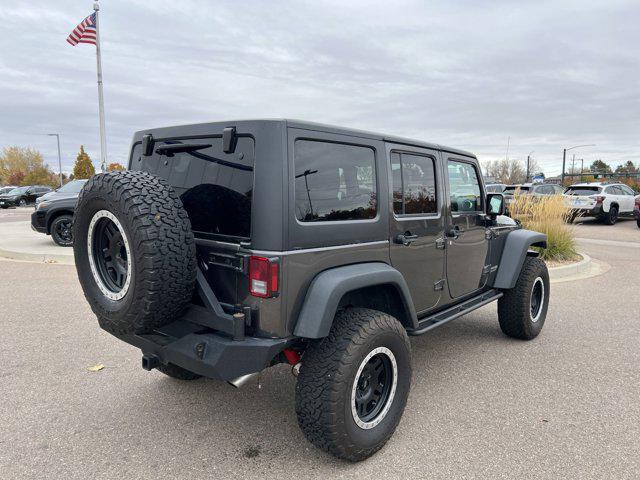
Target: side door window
[414, 184]
[464, 188]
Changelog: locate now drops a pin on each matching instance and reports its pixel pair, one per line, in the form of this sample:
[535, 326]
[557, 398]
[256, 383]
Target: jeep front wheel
[353, 385]
[523, 309]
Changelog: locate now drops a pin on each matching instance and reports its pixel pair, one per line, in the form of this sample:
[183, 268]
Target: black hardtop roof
[207, 128]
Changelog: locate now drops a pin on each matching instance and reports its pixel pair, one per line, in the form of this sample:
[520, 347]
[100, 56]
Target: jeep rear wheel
[134, 251]
[523, 309]
[353, 385]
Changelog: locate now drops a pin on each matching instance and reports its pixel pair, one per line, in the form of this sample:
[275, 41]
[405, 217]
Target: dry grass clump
[547, 214]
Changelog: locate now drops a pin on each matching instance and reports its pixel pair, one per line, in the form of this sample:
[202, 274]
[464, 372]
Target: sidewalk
[19, 242]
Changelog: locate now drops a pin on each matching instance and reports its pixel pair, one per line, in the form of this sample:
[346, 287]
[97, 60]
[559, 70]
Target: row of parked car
[601, 200]
[11, 196]
[54, 209]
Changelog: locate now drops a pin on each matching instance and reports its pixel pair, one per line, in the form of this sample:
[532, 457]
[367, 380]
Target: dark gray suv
[230, 247]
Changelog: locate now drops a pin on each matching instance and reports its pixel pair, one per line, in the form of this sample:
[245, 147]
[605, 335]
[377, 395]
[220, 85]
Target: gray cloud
[467, 73]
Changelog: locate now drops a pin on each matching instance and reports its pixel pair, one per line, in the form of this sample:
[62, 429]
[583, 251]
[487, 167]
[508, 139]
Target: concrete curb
[572, 269]
[585, 268]
[37, 257]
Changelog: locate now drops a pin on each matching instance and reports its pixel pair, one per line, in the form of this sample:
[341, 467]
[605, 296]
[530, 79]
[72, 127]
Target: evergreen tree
[600, 167]
[84, 166]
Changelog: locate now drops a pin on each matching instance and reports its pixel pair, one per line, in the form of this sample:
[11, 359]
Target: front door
[417, 225]
[467, 245]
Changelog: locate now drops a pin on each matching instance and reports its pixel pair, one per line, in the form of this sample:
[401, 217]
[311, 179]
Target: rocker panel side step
[440, 318]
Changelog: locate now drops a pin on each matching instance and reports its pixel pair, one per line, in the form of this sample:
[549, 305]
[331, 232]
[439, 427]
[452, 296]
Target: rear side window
[215, 187]
[414, 184]
[464, 187]
[334, 181]
[582, 190]
[626, 190]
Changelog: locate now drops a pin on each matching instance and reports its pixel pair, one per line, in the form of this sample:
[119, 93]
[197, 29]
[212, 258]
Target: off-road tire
[57, 239]
[326, 381]
[177, 372]
[514, 307]
[611, 217]
[162, 250]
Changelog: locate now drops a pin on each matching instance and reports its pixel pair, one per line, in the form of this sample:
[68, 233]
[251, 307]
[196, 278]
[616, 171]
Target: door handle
[405, 239]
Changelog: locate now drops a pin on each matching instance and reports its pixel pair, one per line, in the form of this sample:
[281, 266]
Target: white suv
[606, 201]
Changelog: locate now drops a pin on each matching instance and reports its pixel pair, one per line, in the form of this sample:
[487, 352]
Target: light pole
[564, 159]
[528, 163]
[57, 135]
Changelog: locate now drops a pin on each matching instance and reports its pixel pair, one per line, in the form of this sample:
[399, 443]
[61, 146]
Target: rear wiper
[171, 149]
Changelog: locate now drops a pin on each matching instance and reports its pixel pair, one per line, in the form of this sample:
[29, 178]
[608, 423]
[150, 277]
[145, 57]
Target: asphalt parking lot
[566, 405]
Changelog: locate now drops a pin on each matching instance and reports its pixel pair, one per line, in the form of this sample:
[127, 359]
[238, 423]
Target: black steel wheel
[62, 230]
[109, 254]
[374, 387]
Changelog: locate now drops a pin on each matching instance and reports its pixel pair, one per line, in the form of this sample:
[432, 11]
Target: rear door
[467, 243]
[216, 189]
[628, 197]
[417, 225]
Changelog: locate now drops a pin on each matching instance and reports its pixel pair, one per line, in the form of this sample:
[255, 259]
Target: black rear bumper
[207, 353]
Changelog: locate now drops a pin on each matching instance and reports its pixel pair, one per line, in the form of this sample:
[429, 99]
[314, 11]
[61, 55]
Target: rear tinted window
[215, 187]
[334, 181]
[414, 184]
[582, 190]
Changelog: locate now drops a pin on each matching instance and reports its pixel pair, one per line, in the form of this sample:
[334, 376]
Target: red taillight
[263, 277]
[597, 198]
[638, 203]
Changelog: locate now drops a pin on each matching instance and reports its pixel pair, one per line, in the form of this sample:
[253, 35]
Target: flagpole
[103, 138]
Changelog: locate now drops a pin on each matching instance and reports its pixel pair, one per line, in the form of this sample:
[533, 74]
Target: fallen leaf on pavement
[96, 368]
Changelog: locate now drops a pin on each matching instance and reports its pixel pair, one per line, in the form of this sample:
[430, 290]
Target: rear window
[582, 190]
[512, 189]
[334, 181]
[215, 187]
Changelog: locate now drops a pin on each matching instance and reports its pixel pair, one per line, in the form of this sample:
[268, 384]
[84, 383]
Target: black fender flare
[328, 287]
[514, 252]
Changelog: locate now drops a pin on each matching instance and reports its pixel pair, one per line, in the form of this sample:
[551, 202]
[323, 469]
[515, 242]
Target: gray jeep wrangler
[230, 247]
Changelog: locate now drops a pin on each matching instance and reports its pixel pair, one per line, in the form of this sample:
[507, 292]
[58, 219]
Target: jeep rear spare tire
[134, 251]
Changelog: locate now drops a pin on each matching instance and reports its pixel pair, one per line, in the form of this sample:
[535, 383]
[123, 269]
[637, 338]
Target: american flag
[85, 32]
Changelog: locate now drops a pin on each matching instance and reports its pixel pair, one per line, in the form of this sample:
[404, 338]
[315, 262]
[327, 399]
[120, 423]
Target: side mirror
[495, 204]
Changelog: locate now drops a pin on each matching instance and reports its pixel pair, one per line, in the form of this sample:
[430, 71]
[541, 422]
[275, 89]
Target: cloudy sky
[469, 74]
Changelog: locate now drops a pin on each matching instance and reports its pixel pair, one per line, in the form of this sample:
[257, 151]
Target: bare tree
[507, 171]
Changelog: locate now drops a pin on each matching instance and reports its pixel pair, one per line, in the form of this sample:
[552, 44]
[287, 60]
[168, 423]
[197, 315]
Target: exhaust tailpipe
[240, 381]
